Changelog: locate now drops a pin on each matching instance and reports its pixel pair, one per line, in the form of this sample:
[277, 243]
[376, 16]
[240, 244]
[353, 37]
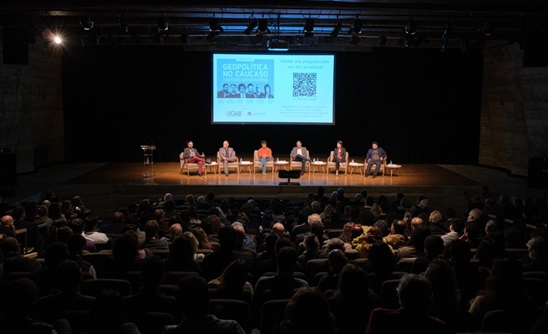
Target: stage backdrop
[422, 106]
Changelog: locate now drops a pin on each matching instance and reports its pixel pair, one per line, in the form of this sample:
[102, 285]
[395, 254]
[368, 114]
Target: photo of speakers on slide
[243, 91]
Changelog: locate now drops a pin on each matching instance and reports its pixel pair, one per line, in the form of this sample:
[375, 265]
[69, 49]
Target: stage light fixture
[57, 40]
[86, 22]
[382, 40]
[214, 25]
[486, 29]
[163, 24]
[411, 27]
[263, 27]
[124, 28]
[357, 27]
[336, 30]
[309, 28]
[252, 24]
[355, 39]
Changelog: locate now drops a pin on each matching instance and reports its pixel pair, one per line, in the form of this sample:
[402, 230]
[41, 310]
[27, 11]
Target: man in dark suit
[227, 154]
[300, 153]
[193, 156]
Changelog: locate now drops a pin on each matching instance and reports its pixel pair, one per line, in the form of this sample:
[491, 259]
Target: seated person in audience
[283, 284]
[152, 242]
[436, 224]
[42, 218]
[7, 228]
[109, 315]
[265, 155]
[214, 263]
[69, 280]
[18, 302]
[353, 300]
[504, 291]
[233, 283]
[203, 238]
[33, 237]
[193, 298]
[307, 312]
[336, 261]
[149, 298]
[363, 243]
[91, 232]
[469, 278]
[116, 225]
[175, 230]
[396, 237]
[415, 297]
[329, 245]
[300, 153]
[75, 245]
[433, 248]
[415, 244]
[182, 255]
[456, 228]
[14, 261]
[311, 248]
[126, 255]
[249, 241]
[537, 255]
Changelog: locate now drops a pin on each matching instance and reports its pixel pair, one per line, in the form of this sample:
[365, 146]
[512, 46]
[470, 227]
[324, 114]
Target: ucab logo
[233, 113]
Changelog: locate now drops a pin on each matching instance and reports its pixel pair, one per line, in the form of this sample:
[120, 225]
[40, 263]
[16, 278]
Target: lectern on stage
[148, 160]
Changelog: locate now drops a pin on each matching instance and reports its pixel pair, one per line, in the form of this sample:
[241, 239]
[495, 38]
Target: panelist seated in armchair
[300, 153]
[193, 156]
[375, 156]
[226, 155]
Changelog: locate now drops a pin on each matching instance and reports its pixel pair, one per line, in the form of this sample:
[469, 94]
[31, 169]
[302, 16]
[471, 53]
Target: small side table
[392, 168]
[280, 164]
[353, 165]
[245, 166]
[318, 165]
[212, 167]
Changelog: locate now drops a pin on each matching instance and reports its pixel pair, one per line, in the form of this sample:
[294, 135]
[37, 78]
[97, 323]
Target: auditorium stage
[107, 186]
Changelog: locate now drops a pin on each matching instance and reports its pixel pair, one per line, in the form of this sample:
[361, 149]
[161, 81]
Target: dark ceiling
[441, 23]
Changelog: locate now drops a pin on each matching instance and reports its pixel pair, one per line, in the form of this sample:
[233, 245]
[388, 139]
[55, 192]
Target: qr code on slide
[304, 84]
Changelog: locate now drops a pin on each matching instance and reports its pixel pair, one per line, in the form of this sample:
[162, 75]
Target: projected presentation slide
[273, 88]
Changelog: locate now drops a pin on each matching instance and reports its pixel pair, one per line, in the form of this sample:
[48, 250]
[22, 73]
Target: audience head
[91, 223]
[235, 275]
[19, 298]
[308, 312]
[314, 218]
[337, 260]
[69, 276]
[397, 227]
[10, 245]
[433, 246]
[537, 248]
[193, 296]
[76, 244]
[151, 229]
[286, 259]
[415, 294]
[334, 243]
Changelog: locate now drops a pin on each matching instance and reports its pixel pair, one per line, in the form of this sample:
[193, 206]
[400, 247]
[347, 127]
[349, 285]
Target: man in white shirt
[455, 231]
[300, 153]
[91, 233]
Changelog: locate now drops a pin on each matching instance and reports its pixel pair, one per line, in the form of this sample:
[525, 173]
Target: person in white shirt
[91, 233]
[455, 231]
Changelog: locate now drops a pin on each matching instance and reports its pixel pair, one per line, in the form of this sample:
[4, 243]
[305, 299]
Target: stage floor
[107, 186]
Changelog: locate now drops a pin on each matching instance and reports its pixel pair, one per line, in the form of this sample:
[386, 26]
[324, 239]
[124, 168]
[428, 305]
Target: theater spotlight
[214, 25]
[57, 40]
[124, 28]
[309, 28]
[336, 30]
[411, 27]
[263, 27]
[357, 27]
[382, 40]
[163, 24]
[252, 24]
[86, 22]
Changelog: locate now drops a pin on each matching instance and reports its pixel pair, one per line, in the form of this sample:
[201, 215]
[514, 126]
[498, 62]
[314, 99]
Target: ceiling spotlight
[123, 24]
[486, 29]
[252, 24]
[185, 39]
[263, 27]
[57, 40]
[214, 25]
[357, 27]
[309, 28]
[86, 22]
[336, 30]
[382, 40]
[464, 44]
[411, 27]
[163, 24]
